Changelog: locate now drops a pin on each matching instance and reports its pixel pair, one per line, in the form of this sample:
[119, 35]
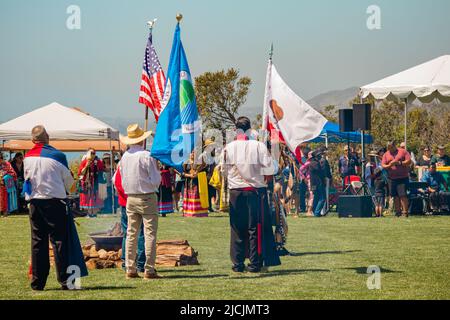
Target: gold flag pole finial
[179, 17]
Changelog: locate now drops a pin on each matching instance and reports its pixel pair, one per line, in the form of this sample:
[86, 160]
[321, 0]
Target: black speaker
[416, 206]
[346, 120]
[355, 207]
[362, 117]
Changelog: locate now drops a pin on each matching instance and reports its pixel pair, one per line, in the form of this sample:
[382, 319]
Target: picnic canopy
[425, 82]
[61, 123]
[332, 134]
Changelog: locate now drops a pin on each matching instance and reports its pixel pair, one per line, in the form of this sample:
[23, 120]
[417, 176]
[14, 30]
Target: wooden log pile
[169, 253]
[101, 259]
[175, 253]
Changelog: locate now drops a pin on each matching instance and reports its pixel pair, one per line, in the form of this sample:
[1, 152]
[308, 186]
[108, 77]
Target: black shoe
[282, 251]
[238, 269]
[37, 289]
[253, 269]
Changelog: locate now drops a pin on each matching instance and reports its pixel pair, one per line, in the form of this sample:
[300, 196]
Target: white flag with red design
[288, 116]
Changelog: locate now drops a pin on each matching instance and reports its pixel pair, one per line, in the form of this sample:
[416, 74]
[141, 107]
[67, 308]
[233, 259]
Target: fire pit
[106, 242]
[107, 251]
[169, 253]
[110, 240]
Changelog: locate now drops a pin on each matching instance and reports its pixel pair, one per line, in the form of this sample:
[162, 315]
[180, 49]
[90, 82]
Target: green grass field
[330, 260]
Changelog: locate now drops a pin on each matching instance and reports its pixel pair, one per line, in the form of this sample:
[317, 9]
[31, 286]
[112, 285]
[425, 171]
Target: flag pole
[146, 125]
[271, 52]
[264, 115]
[150, 24]
[271, 183]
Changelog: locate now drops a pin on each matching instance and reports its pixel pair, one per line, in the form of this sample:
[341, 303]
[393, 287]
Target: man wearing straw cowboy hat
[140, 179]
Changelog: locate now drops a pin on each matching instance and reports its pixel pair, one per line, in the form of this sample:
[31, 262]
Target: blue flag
[179, 127]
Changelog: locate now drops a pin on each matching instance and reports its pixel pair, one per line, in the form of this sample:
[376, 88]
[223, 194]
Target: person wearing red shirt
[90, 173]
[5, 169]
[140, 259]
[397, 162]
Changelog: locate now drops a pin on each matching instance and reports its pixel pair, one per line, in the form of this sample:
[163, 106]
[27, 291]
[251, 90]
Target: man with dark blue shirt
[435, 179]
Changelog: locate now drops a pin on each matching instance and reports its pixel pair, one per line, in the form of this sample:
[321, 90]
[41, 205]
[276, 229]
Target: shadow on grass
[217, 217]
[206, 276]
[301, 254]
[94, 288]
[180, 270]
[363, 270]
[277, 273]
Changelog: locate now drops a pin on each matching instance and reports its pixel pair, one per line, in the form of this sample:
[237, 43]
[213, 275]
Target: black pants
[244, 211]
[439, 199]
[211, 194]
[49, 220]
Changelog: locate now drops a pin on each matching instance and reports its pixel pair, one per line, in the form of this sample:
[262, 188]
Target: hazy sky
[320, 45]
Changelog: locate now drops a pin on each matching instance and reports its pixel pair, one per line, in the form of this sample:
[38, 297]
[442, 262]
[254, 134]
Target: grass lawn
[330, 260]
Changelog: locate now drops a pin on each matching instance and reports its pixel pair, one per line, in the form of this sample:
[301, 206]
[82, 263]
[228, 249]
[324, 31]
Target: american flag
[153, 80]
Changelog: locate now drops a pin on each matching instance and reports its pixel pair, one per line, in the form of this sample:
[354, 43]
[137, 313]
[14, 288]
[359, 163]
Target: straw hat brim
[126, 140]
[208, 144]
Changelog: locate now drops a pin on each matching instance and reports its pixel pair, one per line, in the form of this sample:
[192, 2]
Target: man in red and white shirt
[47, 182]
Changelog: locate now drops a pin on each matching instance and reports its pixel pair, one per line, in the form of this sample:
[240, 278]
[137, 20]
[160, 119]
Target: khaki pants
[141, 208]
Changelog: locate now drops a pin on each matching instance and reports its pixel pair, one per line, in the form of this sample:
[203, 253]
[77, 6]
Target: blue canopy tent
[331, 134]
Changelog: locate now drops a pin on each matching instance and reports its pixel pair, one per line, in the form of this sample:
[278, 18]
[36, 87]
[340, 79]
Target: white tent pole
[328, 180]
[406, 120]
[112, 173]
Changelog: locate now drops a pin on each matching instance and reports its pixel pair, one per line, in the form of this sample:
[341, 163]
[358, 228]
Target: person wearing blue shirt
[435, 179]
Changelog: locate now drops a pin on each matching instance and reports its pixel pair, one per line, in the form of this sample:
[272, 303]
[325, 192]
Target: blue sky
[320, 45]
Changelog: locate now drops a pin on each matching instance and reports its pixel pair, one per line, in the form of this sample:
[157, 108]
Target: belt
[141, 194]
[250, 189]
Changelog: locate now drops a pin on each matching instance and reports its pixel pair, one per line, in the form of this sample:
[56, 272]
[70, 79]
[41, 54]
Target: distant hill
[339, 98]
[121, 124]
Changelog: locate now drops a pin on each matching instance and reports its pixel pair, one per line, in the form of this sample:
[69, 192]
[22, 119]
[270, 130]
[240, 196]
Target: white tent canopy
[426, 82]
[61, 123]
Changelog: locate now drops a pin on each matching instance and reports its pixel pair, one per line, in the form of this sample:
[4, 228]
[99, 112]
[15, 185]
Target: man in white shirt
[249, 166]
[140, 179]
[47, 182]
